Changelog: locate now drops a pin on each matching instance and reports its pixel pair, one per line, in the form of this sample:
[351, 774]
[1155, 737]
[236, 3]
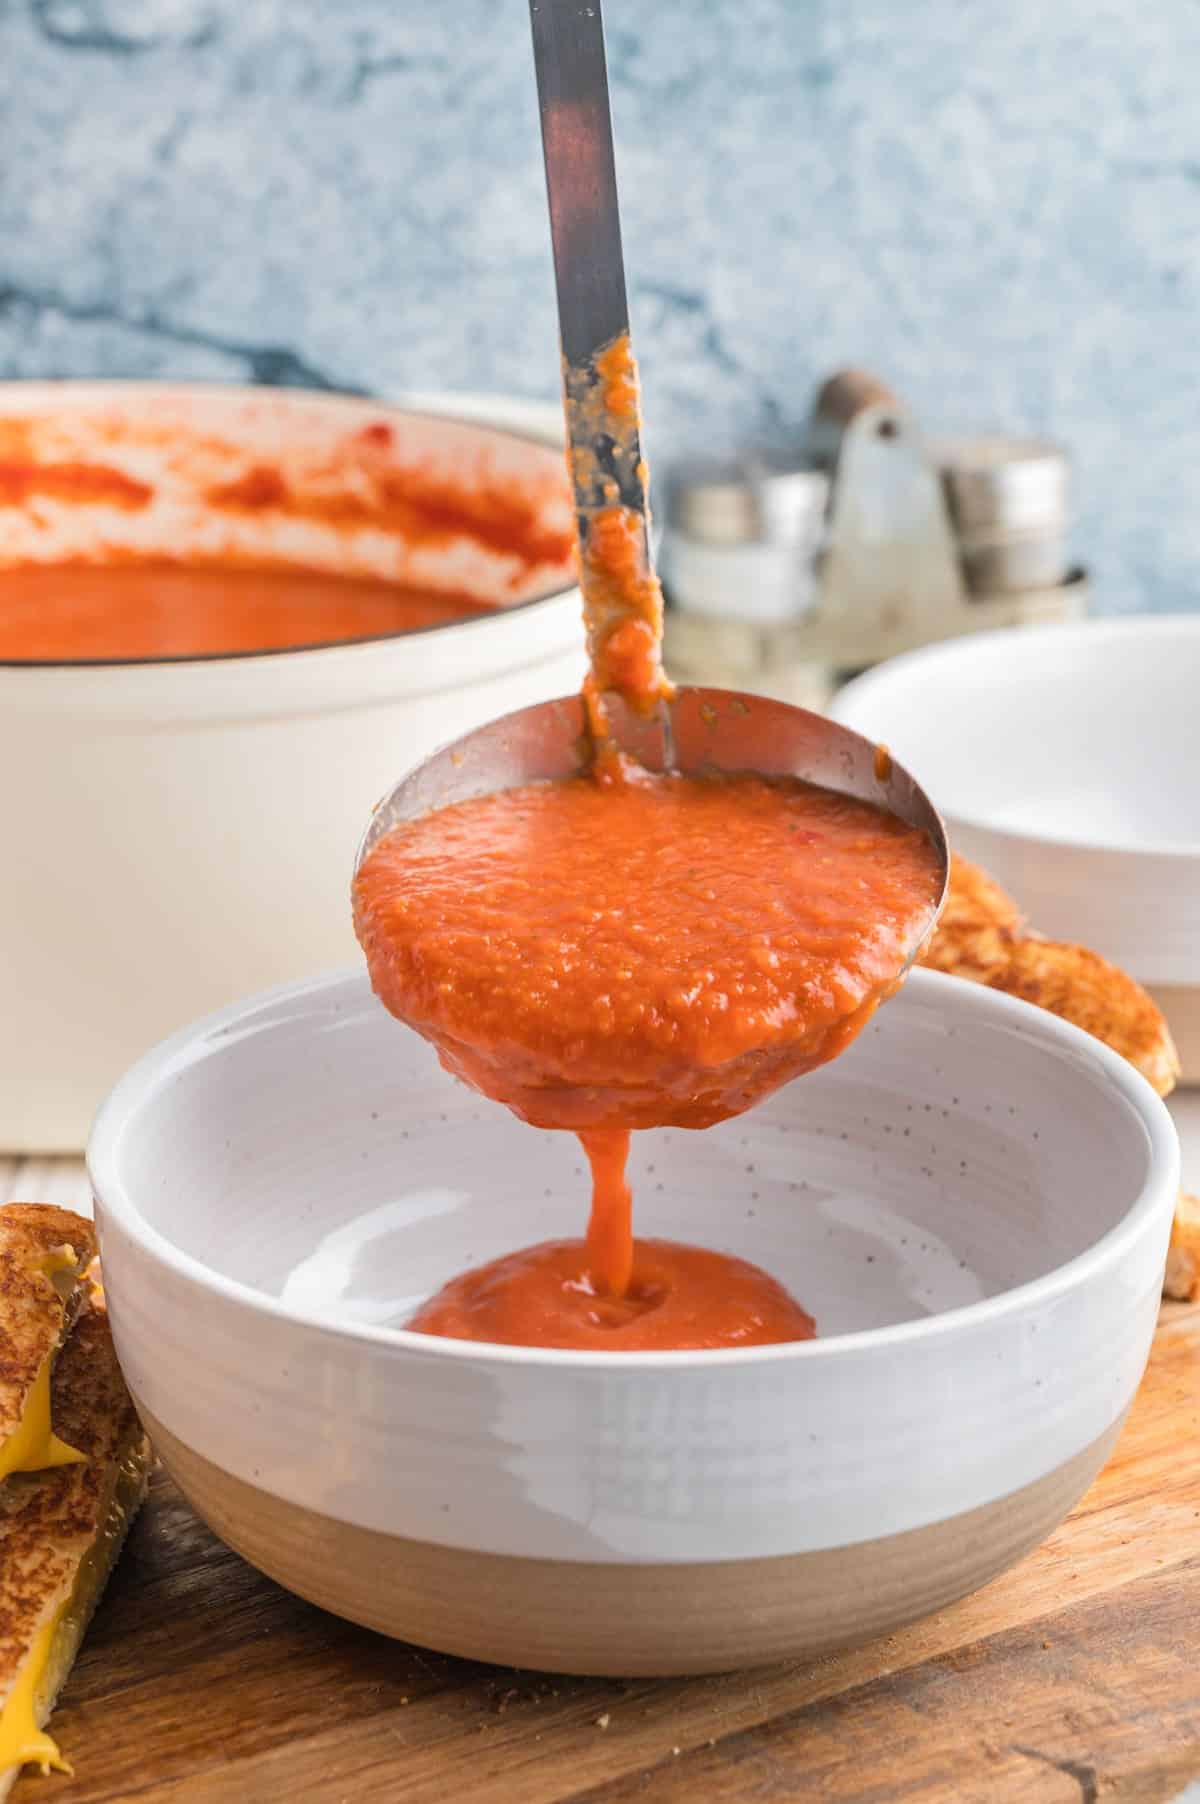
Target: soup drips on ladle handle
[622, 598]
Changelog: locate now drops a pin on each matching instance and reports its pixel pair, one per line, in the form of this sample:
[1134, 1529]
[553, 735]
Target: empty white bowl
[1066, 761]
[974, 1202]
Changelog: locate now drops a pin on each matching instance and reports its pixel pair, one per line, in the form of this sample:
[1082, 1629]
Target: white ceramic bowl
[156, 815]
[1066, 761]
[974, 1202]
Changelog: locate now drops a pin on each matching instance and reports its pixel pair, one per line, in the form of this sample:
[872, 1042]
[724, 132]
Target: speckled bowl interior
[325, 1160]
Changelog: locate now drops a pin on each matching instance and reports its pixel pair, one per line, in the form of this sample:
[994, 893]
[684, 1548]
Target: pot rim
[54, 387]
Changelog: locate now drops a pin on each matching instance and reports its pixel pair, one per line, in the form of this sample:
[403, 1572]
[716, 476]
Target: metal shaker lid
[998, 485]
[762, 495]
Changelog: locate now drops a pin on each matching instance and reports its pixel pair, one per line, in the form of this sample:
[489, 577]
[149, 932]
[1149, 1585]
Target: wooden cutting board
[1075, 1677]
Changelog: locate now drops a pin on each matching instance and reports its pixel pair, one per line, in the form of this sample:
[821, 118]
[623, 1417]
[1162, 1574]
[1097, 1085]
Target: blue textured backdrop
[996, 206]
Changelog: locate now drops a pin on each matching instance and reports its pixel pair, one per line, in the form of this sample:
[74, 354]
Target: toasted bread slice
[60, 1534]
[1183, 1257]
[44, 1256]
[981, 936]
[977, 928]
[1082, 987]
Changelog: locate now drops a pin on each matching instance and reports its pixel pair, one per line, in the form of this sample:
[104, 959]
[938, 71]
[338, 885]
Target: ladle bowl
[700, 731]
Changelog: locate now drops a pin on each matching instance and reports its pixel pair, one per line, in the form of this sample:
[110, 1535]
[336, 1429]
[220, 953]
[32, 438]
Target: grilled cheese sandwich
[44, 1256]
[60, 1533]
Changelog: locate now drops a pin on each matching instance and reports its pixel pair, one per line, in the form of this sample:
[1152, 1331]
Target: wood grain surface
[1074, 1677]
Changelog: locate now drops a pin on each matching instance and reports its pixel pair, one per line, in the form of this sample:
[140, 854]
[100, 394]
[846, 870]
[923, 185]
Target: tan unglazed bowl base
[624, 1621]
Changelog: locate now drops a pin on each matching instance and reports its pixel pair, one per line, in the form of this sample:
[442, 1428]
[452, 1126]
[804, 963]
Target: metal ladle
[604, 447]
[701, 729]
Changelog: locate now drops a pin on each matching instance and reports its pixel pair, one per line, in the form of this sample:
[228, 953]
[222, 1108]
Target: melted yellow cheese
[54, 1646]
[62, 1269]
[21, 1741]
[33, 1445]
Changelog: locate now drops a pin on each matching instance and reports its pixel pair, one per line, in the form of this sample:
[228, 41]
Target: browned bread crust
[1183, 1257]
[1084, 988]
[977, 928]
[36, 1309]
[981, 936]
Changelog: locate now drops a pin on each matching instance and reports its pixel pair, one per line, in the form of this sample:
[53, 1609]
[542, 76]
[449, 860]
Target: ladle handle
[585, 231]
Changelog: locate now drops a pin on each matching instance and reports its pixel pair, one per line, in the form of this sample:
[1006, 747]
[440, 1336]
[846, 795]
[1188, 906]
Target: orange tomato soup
[664, 951]
[678, 1297]
[128, 610]
[624, 950]
[660, 954]
[612, 1293]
